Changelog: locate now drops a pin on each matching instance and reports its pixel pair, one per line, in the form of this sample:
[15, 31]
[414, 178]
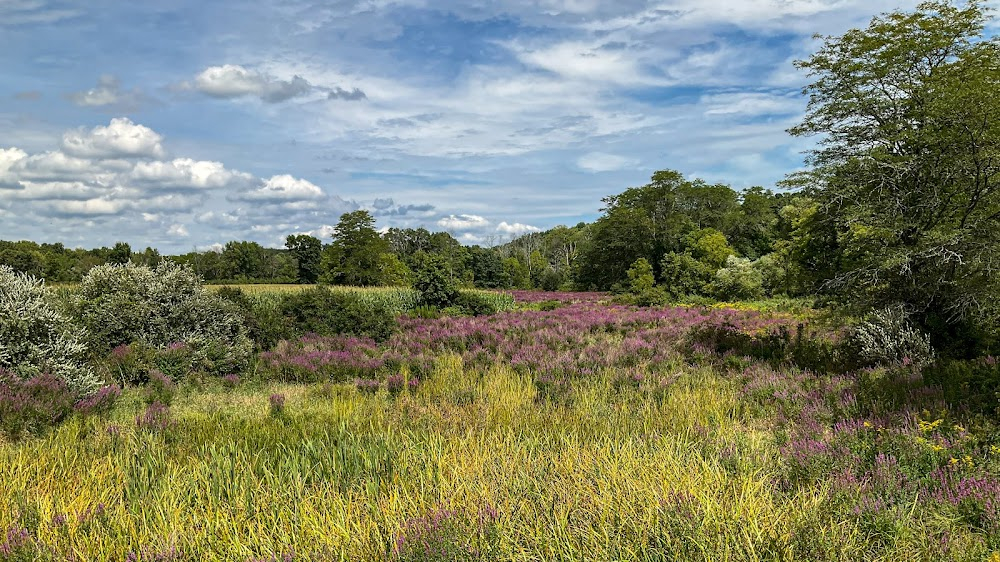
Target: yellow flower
[868, 424]
[937, 447]
[953, 461]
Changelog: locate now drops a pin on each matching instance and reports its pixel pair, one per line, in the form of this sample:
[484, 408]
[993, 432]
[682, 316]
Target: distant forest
[687, 230]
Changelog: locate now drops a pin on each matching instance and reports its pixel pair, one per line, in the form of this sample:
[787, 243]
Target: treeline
[671, 218]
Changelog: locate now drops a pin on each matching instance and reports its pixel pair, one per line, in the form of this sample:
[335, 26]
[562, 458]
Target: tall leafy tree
[308, 253]
[908, 169]
[355, 255]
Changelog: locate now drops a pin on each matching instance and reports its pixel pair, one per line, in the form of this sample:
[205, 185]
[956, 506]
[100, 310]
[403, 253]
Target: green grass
[606, 474]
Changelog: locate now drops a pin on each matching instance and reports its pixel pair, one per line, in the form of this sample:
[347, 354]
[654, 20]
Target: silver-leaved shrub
[888, 337]
[165, 308]
[36, 337]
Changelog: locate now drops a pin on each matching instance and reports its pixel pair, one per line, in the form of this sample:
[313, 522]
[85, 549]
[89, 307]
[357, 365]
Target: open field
[587, 432]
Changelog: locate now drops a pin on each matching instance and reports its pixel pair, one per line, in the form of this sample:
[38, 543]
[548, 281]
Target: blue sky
[186, 124]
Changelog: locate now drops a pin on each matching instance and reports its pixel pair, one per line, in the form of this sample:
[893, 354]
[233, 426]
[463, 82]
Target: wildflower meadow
[571, 428]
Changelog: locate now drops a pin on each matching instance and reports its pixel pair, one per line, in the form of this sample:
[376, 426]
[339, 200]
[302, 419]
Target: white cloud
[602, 162]
[108, 92]
[91, 207]
[120, 139]
[178, 230]
[516, 228]
[285, 188]
[463, 222]
[185, 173]
[233, 81]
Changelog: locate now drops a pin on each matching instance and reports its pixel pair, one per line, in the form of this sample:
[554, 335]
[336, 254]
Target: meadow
[570, 428]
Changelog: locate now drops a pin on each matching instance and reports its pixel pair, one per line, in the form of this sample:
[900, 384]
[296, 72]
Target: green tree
[710, 247]
[433, 282]
[906, 173]
[120, 254]
[640, 277]
[681, 274]
[355, 255]
[308, 253]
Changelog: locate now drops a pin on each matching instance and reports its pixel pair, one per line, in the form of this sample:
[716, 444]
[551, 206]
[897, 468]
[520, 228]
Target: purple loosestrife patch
[16, 545]
[101, 402]
[156, 418]
[33, 404]
[579, 339]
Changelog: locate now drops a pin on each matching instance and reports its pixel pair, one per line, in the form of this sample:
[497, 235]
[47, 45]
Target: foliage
[909, 112]
[738, 280]
[968, 384]
[433, 283]
[30, 405]
[356, 253]
[546, 427]
[124, 304]
[887, 337]
[480, 303]
[36, 338]
[682, 274]
[308, 253]
[327, 312]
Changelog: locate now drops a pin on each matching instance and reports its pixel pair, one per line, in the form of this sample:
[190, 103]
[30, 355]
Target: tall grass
[472, 464]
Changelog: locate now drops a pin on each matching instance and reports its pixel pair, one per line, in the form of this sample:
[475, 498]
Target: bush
[888, 338]
[974, 384]
[33, 404]
[552, 279]
[261, 314]
[36, 338]
[682, 275]
[326, 313]
[433, 283]
[483, 303]
[738, 280]
[124, 304]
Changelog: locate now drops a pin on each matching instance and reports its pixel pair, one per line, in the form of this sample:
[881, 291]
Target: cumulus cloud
[516, 228]
[234, 81]
[284, 189]
[462, 222]
[178, 230]
[108, 93]
[120, 139]
[119, 174]
[185, 173]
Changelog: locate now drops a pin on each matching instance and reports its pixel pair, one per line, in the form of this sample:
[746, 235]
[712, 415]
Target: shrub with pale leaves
[888, 337]
[36, 337]
[160, 308]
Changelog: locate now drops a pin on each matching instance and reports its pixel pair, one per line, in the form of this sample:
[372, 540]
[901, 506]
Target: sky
[182, 125]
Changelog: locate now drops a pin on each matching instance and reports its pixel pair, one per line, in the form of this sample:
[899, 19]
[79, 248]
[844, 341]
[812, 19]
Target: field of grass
[588, 432]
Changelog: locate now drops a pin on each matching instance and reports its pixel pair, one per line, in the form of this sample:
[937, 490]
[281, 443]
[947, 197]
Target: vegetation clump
[37, 338]
[165, 308]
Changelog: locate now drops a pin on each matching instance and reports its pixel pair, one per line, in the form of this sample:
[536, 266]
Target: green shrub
[682, 274]
[36, 338]
[738, 280]
[552, 279]
[123, 304]
[261, 314]
[325, 312]
[433, 283]
[483, 303]
[974, 384]
[888, 338]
